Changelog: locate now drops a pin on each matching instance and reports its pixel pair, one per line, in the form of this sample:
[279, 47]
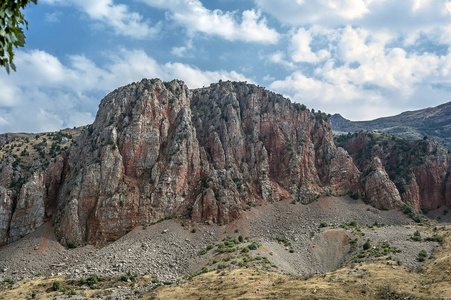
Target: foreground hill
[433, 121]
[379, 251]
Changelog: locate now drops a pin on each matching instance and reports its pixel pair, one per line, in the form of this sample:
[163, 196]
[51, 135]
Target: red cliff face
[159, 149]
[380, 191]
[419, 169]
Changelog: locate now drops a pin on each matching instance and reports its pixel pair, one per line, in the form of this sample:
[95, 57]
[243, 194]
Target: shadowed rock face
[417, 171]
[159, 149]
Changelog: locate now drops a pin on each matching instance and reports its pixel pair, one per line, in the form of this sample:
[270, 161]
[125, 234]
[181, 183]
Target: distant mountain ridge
[432, 121]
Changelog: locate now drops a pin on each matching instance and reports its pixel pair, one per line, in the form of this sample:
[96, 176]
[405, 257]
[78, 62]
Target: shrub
[422, 255]
[354, 196]
[155, 280]
[72, 245]
[435, 238]
[128, 276]
[367, 245]
[93, 279]
[245, 250]
[416, 236]
[323, 224]
[222, 265]
[57, 286]
[254, 246]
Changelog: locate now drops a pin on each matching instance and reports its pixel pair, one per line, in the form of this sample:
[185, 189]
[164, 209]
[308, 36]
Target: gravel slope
[168, 249]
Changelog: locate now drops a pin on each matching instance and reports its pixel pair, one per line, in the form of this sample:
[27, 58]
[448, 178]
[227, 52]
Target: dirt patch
[331, 248]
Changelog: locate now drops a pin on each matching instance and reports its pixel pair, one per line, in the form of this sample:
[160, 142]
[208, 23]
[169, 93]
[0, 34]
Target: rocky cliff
[158, 149]
[419, 169]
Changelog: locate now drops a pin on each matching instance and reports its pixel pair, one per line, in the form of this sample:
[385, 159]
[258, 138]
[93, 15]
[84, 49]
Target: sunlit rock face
[159, 149]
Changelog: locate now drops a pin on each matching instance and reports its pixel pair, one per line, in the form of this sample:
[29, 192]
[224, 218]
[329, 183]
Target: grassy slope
[382, 279]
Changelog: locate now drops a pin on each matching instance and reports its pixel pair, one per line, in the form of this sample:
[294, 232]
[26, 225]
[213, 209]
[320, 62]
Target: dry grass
[42, 288]
[370, 281]
[383, 279]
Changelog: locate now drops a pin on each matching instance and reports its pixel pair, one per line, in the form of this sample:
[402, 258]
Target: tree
[11, 34]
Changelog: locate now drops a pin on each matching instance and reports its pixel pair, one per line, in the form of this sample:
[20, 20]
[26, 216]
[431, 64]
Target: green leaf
[13, 66]
[21, 40]
[2, 33]
[9, 12]
[7, 68]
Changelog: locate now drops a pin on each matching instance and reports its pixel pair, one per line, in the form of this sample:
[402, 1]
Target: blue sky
[361, 58]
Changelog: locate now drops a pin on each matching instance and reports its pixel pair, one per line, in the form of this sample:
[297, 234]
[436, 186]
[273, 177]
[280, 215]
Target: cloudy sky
[361, 58]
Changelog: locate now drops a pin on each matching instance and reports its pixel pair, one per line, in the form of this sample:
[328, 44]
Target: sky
[363, 59]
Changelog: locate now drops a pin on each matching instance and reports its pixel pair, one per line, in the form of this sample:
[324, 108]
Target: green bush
[57, 286]
[72, 245]
[435, 238]
[416, 236]
[93, 279]
[245, 250]
[222, 265]
[254, 246]
[422, 256]
[128, 276]
[155, 280]
[367, 245]
[9, 280]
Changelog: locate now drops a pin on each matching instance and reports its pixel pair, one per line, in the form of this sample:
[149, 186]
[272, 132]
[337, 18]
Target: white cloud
[45, 94]
[196, 18]
[278, 57]
[406, 18]
[320, 12]
[301, 50]
[367, 77]
[117, 16]
[183, 51]
[53, 17]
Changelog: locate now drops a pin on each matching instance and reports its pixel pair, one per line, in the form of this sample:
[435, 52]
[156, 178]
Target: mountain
[159, 150]
[435, 121]
[172, 183]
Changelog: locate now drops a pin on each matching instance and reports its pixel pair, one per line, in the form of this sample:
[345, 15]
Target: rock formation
[418, 168]
[158, 149]
[380, 191]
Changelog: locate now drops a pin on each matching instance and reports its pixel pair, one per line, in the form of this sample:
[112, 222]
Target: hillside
[433, 121]
[418, 168]
[169, 183]
[159, 150]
